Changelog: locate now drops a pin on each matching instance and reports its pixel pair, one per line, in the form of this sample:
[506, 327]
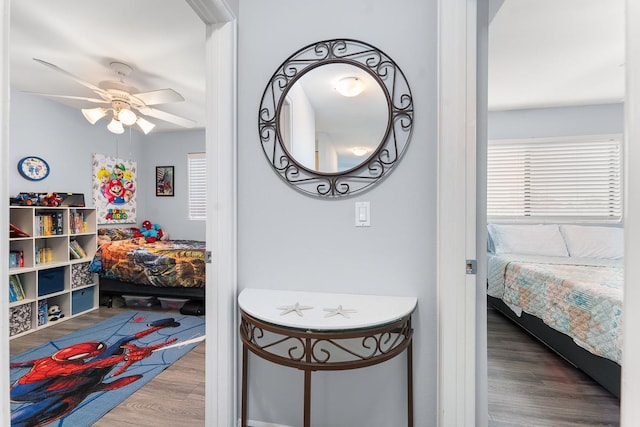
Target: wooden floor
[175, 397]
[531, 386]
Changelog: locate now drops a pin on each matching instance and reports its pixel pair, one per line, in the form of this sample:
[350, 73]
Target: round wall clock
[33, 168]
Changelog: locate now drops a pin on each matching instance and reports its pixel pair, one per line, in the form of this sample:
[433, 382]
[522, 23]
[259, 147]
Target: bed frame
[111, 288]
[602, 370]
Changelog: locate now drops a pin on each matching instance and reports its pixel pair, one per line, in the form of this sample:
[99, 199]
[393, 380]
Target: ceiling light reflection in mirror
[334, 131]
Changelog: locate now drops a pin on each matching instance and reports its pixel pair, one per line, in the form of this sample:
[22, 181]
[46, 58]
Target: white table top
[319, 311]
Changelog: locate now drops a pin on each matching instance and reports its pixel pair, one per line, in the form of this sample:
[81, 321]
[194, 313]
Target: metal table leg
[245, 356]
[410, 384]
[307, 398]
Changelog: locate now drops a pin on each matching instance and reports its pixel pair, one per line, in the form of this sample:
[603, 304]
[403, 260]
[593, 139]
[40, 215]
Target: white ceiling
[546, 53]
[163, 41]
[542, 53]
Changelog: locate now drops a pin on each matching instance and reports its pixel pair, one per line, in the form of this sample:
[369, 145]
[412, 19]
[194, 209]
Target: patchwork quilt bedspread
[581, 298]
[164, 263]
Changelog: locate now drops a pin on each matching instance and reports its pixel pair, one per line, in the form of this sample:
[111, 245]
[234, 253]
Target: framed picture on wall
[164, 181]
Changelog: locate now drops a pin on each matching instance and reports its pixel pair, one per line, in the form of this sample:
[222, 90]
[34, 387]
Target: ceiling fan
[122, 100]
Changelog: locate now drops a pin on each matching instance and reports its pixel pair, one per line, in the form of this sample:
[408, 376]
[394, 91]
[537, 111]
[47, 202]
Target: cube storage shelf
[51, 265]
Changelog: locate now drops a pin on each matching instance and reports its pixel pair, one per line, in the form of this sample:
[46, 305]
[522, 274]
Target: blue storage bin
[50, 280]
[82, 300]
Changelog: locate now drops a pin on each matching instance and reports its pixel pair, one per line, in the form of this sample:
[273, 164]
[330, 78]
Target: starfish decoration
[341, 311]
[296, 308]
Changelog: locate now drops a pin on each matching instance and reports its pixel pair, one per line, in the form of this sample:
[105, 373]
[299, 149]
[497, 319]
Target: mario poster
[114, 189]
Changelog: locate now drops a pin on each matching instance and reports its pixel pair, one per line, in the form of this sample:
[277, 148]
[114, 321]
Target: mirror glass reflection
[333, 118]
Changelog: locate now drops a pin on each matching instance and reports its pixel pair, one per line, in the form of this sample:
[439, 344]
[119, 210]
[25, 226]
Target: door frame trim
[220, 142]
[456, 206]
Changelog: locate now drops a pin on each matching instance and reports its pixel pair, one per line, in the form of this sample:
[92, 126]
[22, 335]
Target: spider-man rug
[75, 380]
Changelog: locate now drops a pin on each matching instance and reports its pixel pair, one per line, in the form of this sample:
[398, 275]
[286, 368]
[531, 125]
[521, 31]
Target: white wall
[63, 137]
[327, 154]
[170, 149]
[553, 122]
[287, 240]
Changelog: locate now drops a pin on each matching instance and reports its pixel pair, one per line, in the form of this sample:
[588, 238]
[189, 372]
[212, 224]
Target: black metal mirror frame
[389, 151]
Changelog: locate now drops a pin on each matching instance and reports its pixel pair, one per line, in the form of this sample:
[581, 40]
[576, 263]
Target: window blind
[197, 186]
[562, 178]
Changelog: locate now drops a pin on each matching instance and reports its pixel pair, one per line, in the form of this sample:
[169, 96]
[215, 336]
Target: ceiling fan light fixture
[94, 114]
[123, 98]
[115, 126]
[349, 86]
[145, 125]
[127, 117]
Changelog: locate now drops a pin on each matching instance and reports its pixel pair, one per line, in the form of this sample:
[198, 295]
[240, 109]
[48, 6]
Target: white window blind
[564, 178]
[197, 186]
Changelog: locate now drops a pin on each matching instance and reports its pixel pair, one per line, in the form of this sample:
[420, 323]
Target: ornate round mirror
[335, 117]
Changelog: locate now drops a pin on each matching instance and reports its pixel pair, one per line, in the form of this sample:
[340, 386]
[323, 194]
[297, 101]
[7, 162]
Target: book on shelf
[43, 312]
[76, 250]
[78, 223]
[16, 291]
[48, 224]
[16, 259]
[15, 232]
[59, 223]
[43, 255]
[12, 294]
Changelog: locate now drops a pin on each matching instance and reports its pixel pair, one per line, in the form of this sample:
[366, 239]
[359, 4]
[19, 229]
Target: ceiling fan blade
[161, 96]
[93, 87]
[79, 98]
[167, 117]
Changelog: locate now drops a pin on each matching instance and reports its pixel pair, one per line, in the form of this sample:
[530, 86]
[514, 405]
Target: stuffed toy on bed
[150, 232]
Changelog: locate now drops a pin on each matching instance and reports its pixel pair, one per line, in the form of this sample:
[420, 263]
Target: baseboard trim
[254, 423]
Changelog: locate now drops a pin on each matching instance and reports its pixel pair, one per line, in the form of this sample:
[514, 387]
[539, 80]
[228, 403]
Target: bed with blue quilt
[165, 268]
[566, 292]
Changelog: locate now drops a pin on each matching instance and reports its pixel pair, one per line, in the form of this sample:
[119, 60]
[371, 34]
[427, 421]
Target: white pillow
[594, 242]
[528, 239]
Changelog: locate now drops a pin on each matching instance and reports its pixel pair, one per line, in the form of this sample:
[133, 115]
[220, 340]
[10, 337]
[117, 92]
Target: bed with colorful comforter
[578, 297]
[164, 263]
[163, 268]
[563, 283]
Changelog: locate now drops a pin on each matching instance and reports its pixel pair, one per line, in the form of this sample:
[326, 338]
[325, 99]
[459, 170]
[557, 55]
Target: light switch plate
[363, 214]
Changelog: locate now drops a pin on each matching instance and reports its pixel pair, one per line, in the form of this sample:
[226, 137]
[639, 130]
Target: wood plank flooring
[175, 397]
[530, 386]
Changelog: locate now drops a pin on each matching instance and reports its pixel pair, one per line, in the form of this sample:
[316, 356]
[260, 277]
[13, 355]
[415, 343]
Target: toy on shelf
[25, 199]
[55, 313]
[54, 199]
[51, 199]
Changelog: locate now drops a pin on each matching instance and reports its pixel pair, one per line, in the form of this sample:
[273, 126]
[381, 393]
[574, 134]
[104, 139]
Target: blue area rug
[75, 380]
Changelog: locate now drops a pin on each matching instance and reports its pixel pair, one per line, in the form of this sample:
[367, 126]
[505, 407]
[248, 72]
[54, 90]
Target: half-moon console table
[314, 331]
